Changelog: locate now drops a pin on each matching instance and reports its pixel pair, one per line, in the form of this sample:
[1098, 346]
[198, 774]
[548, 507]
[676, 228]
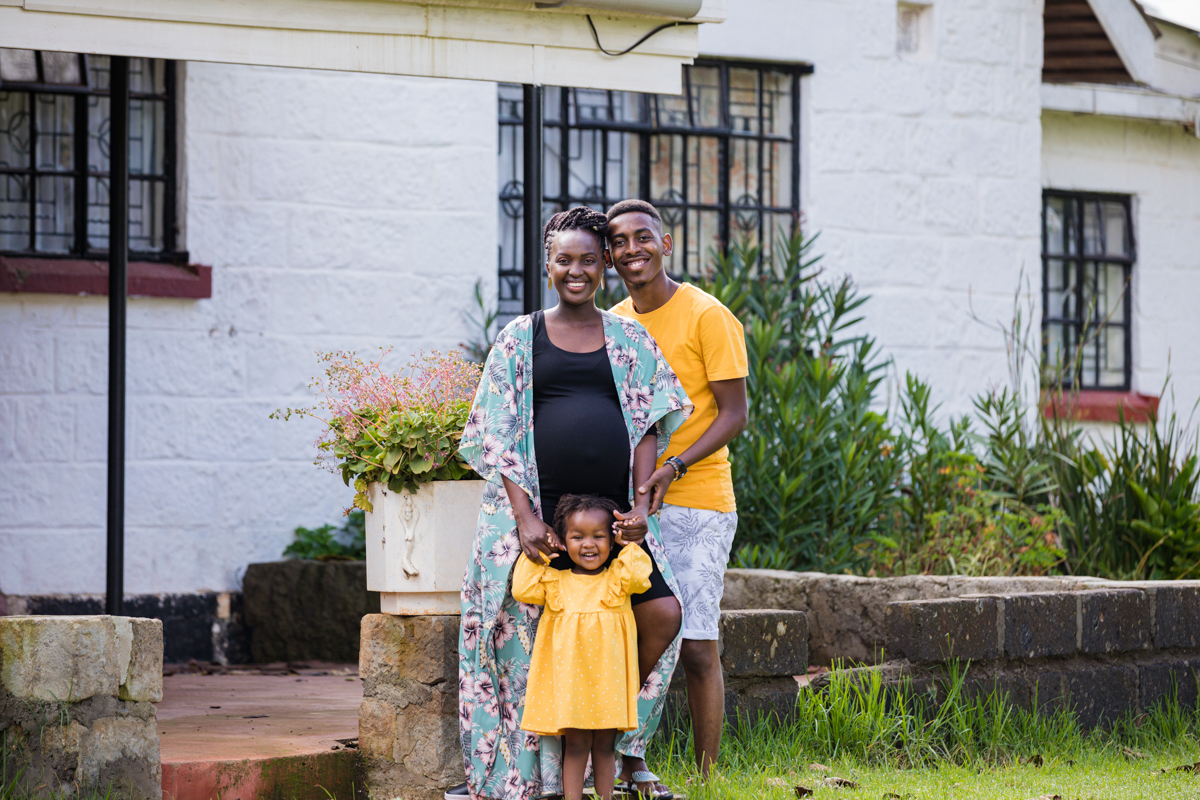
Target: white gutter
[1122, 101]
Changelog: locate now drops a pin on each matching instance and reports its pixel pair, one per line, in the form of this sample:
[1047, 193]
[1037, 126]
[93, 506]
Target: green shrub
[815, 471]
[328, 543]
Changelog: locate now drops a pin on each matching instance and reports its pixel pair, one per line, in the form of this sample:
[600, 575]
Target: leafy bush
[329, 543]
[815, 471]
[399, 428]
[1132, 504]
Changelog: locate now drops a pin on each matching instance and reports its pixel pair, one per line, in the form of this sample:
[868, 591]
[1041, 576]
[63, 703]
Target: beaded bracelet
[677, 464]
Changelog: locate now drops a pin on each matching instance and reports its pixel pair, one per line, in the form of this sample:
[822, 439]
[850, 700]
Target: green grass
[905, 745]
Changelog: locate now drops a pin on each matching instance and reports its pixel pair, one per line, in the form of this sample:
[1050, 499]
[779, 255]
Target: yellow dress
[584, 670]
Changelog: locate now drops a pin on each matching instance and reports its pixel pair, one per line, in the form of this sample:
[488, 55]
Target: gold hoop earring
[549, 282]
[602, 286]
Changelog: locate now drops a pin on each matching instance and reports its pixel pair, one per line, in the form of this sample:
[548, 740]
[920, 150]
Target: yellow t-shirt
[702, 341]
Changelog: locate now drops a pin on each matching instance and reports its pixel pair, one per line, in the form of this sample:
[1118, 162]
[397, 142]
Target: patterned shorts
[698, 543]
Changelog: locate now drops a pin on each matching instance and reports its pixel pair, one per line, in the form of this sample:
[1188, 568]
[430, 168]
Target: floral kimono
[497, 633]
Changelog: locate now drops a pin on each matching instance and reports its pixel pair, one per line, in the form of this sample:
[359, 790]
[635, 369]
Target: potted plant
[394, 437]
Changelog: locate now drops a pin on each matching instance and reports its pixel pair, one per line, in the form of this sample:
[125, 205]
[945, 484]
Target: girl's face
[589, 538]
[575, 265]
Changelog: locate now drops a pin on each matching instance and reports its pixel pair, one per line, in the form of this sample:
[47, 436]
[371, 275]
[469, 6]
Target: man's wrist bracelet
[677, 464]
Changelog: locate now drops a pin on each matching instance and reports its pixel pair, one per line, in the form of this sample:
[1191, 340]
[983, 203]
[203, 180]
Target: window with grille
[1087, 260]
[54, 151]
[720, 161]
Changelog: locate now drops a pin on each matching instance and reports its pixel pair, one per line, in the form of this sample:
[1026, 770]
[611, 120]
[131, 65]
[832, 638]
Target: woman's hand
[632, 527]
[536, 538]
[655, 488]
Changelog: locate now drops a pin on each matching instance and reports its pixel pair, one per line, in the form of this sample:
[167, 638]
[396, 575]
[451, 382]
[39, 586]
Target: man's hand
[536, 538]
[655, 488]
[631, 527]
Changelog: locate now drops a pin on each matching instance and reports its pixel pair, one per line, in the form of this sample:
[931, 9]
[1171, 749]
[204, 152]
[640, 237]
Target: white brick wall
[1159, 164]
[921, 174]
[337, 211]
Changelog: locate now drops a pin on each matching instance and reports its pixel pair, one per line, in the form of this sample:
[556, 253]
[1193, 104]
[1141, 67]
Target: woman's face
[575, 265]
[589, 537]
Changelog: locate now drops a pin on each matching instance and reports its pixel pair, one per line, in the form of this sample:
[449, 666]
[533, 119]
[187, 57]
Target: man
[705, 344]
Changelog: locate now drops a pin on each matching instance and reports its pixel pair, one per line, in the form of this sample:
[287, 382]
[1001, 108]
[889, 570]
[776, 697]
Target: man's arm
[732, 410]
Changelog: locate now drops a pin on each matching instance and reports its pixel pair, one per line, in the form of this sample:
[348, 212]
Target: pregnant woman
[573, 400]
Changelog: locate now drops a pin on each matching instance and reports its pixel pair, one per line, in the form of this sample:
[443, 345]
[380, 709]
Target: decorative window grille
[54, 151]
[721, 161]
[1087, 260]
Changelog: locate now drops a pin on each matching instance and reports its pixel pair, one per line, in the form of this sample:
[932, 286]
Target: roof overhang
[1131, 34]
[492, 40]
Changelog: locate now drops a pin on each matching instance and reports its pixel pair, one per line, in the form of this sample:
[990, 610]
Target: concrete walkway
[244, 736]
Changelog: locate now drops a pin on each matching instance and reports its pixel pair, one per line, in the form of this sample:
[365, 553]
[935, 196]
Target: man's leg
[706, 698]
[698, 542]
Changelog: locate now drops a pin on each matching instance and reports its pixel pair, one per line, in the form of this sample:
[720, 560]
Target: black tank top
[579, 434]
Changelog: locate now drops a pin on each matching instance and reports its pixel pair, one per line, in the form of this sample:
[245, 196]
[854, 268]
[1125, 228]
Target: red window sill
[1100, 406]
[81, 276]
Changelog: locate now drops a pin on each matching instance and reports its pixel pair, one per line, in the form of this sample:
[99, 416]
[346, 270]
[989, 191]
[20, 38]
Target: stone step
[250, 736]
[311, 776]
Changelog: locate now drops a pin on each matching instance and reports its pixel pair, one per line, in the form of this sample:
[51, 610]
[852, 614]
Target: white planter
[418, 545]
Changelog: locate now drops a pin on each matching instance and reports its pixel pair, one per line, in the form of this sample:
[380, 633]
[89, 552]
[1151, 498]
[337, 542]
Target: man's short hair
[634, 206]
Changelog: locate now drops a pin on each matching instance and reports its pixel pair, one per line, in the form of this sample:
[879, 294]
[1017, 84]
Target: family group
[606, 523]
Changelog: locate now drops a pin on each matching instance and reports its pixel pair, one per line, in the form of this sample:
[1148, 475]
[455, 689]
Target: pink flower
[471, 629]
[505, 550]
[485, 694]
[485, 748]
[504, 629]
[652, 688]
[638, 397]
[492, 447]
[475, 422]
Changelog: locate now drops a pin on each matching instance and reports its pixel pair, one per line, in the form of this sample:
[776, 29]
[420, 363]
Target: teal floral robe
[497, 632]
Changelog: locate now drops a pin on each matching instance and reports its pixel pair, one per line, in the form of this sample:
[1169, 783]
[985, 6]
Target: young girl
[583, 677]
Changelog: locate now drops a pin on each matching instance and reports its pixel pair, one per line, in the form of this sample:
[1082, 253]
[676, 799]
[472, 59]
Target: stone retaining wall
[1104, 652]
[847, 614]
[77, 699]
[205, 626]
[301, 610]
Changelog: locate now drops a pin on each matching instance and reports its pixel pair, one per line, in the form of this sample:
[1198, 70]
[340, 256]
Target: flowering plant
[398, 428]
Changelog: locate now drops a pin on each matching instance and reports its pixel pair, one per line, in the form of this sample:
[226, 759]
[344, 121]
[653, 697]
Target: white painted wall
[920, 173]
[1159, 164]
[337, 211]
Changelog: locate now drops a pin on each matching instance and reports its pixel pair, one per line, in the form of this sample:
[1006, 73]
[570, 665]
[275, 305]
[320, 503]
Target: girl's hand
[655, 488]
[536, 538]
[632, 527]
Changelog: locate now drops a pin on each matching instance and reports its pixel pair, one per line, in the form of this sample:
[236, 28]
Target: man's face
[638, 246]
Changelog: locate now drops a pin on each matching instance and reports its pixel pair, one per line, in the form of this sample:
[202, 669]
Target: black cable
[596, 36]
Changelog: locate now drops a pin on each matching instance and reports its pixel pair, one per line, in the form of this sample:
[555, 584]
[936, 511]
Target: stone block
[1177, 616]
[1114, 621]
[1047, 691]
[764, 643]
[1169, 679]
[143, 679]
[937, 630]
[1040, 624]
[298, 610]
[408, 719]
[396, 649]
[59, 659]
[1102, 695]
[121, 752]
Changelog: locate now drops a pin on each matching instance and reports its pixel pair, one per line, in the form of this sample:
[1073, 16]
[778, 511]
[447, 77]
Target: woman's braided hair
[579, 218]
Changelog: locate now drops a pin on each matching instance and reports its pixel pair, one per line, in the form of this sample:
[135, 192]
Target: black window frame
[82, 170]
[563, 124]
[1073, 201]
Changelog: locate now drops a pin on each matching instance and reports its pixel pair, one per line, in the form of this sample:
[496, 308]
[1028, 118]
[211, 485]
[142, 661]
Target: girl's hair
[570, 504]
[579, 218]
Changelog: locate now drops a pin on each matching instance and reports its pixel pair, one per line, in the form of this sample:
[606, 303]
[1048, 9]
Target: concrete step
[261, 737]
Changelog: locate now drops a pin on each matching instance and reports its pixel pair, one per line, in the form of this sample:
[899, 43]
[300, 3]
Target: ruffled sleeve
[628, 574]
[537, 584]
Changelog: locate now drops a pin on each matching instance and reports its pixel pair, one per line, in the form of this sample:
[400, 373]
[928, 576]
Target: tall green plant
[815, 471]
